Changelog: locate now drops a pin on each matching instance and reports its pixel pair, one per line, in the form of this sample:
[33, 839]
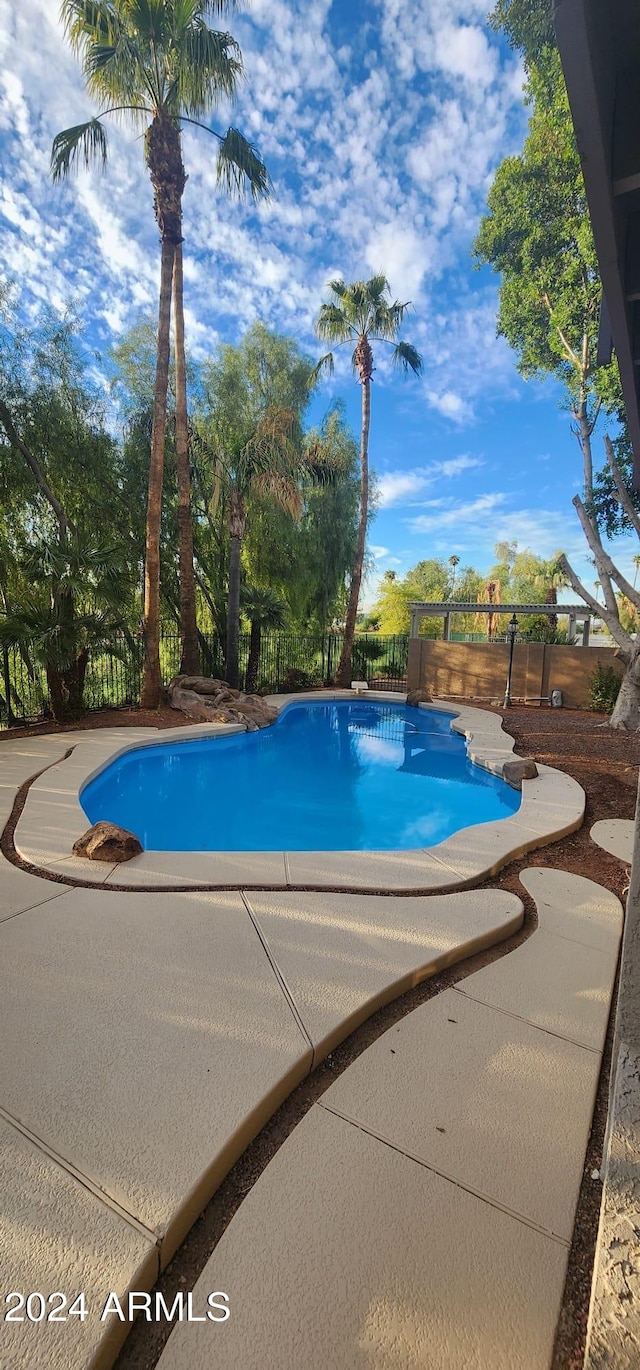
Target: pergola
[445, 608]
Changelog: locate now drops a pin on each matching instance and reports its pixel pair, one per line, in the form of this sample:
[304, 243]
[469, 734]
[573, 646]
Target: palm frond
[377, 286]
[118, 72]
[333, 324]
[325, 365]
[320, 469]
[219, 6]
[271, 445]
[338, 287]
[209, 66]
[282, 488]
[240, 165]
[96, 21]
[86, 143]
[408, 358]
[361, 309]
[386, 319]
[262, 605]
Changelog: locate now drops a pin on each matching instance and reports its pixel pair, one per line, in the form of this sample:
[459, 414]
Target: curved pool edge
[52, 819]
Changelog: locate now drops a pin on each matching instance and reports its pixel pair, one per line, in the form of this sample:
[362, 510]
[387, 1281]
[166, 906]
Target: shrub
[296, 679]
[604, 688]
[538, 628]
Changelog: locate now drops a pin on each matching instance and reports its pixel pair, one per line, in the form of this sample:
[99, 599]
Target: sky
[382, 123]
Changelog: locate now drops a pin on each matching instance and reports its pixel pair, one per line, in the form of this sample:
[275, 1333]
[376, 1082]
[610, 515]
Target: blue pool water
[341, 776]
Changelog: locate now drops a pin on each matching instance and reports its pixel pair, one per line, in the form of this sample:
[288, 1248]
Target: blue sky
[382, 124]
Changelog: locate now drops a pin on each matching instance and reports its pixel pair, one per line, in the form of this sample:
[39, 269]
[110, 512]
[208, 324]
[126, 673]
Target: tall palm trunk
[364, 359]
[190, 658]
[151, 676]
[168, 178]
[236, 534]
[253, 663]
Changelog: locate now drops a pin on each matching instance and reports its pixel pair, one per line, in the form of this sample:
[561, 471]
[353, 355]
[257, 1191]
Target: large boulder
[203, 685]
[416, 697]
[517, 769]
[107, 842]
[213, 701]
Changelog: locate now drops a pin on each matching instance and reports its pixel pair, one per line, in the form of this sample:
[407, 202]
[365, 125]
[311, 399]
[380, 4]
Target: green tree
[265, 611]
[433, 579]
[307, 560]
[537, 236]
[528, 25]
[392, 606]
[359, 314]
[251, 425]
[525, 577]
[159, 64]
[71, 611]
[62, 593]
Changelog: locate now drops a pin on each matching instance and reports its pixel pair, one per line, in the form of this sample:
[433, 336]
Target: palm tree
[269, 464]
[491, 594]
[158, 64]
[453, 562]
[636, 562]
[264, 610]
[361, 314]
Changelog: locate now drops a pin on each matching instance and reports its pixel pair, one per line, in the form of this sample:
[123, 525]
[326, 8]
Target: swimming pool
[345, 775]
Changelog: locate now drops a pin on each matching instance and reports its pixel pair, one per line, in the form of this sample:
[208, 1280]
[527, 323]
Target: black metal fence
[287, 662]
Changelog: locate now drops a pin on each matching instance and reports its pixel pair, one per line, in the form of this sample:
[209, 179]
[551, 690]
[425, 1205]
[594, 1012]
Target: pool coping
[52, 819]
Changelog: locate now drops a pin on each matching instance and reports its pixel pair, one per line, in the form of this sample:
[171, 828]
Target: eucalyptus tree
[537, 234]
[158, 65]
[359, 314]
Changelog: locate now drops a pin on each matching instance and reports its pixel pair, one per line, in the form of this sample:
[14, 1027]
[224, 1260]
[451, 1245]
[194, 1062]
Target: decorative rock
[107, 842]
[212, 701]
[203, 685]
[517, 769]
[416, 697]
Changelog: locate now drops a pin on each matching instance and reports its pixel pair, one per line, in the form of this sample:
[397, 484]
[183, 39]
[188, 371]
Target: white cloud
[463, 50]
[451, 405]
[454, 514]
[362, 167]
[404, 254]
[454, 466]
[398, 487]
[395, 486]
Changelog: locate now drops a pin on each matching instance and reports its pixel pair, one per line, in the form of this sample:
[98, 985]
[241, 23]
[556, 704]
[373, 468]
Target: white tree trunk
[626, 713]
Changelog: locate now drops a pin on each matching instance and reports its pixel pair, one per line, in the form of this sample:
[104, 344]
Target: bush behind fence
[287, 661]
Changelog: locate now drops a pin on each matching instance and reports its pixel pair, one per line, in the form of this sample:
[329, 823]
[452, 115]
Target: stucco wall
[478, 670]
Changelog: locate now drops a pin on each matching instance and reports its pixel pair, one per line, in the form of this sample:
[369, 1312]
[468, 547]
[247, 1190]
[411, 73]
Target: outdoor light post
[512, 632]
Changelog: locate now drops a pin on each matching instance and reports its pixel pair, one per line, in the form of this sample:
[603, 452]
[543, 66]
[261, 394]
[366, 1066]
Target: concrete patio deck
[146, 1039]
[421, 1213]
